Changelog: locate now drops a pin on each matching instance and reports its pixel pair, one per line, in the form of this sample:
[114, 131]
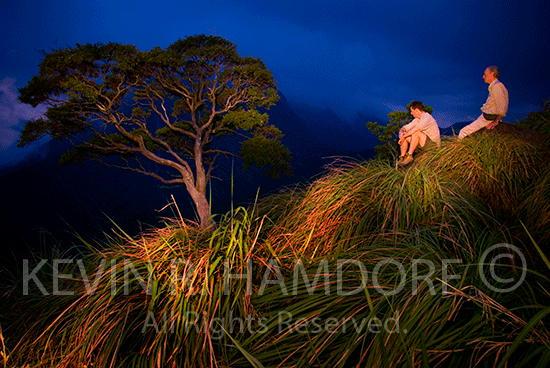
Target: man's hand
[401, 133]
[492, 124]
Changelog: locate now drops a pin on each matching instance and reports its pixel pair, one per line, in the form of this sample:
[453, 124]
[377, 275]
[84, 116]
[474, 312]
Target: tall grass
[538, 121]
[460, 322]
[497, 168]
[355, 203]
[151, 301]
[369, 265]
[535, 209]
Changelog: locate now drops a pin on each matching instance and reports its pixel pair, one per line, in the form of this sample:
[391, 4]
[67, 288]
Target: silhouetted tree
[167, 106]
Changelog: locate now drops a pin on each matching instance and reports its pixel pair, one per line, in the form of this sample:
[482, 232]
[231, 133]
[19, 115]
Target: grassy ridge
[369, 265]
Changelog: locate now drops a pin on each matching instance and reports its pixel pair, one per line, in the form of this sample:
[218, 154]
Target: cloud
[13, 112]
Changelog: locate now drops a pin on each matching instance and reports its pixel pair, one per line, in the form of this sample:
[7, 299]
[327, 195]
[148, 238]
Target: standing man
[422, 131]
[494, 109]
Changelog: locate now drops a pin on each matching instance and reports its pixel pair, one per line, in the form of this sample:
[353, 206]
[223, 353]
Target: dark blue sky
[354, 56]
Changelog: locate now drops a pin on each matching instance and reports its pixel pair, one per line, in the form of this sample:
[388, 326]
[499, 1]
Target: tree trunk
[203, 207]
[199, 189]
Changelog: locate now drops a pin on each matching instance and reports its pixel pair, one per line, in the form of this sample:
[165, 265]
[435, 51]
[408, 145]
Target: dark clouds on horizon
[354, 56]
[12, 117]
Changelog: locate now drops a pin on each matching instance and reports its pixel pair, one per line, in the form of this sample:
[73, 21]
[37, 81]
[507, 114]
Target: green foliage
[387, 134]
[538, 121]
[268, 153]
[168, 106]
[246, 120]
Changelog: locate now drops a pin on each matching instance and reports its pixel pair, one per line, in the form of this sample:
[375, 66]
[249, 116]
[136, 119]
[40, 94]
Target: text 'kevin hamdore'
[343, 276]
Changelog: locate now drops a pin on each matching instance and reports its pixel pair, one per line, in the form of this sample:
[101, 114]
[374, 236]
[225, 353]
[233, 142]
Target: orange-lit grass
[368, 213]
[355, 203]
[106, 328]
[454, 322]
[496, 167]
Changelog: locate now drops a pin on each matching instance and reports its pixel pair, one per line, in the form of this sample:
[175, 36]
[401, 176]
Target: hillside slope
[369, 265]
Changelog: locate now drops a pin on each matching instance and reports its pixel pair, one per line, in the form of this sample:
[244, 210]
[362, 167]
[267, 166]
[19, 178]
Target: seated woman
[421, 131]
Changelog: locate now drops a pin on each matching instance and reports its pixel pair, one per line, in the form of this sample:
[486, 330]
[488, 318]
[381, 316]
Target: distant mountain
[454, 129]
[329, 128]
[46, 204]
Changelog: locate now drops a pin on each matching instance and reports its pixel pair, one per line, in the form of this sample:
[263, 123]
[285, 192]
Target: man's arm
[500, 94]
[403, 134]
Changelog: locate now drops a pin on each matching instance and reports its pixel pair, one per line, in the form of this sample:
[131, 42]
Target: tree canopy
[164, 106]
